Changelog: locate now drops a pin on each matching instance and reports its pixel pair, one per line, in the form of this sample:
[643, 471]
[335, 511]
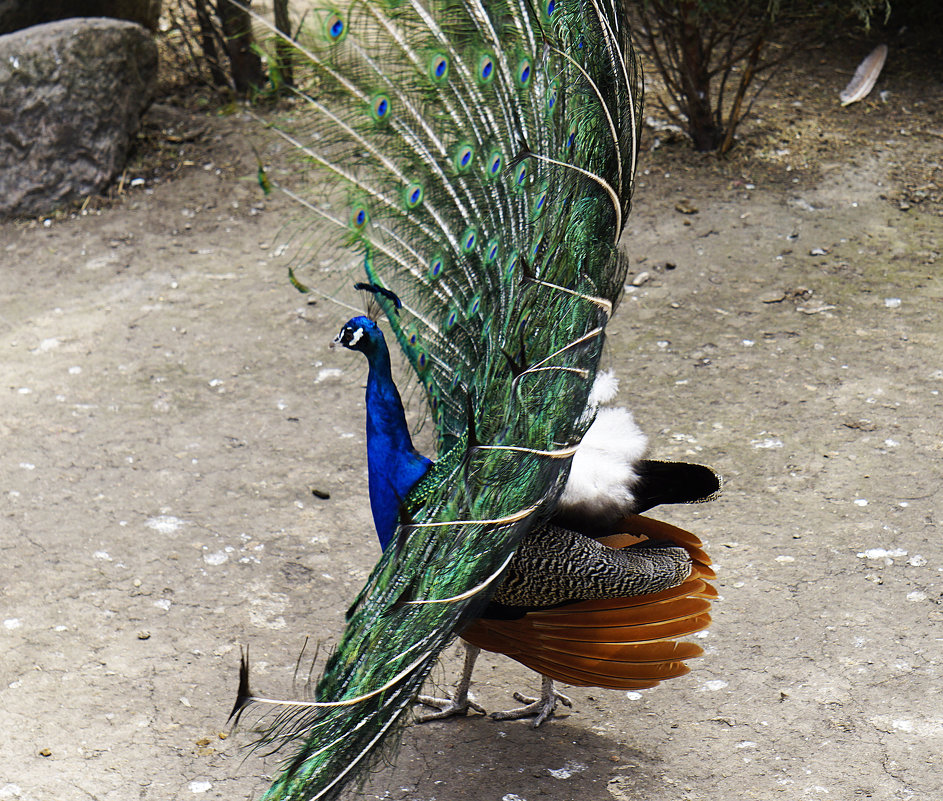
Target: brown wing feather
[617, 643]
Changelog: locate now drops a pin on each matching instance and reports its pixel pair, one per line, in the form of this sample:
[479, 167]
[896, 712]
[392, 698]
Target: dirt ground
[168, 403]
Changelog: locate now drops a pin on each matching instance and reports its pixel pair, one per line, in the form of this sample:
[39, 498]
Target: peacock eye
[413, 195]
[493, 249]
[463, 157]
[520, 175]
[469, 238]
[351, 336]
[380, 107]
[552, 93]
[334, 28]
[524, 71]
[495, 162]
[439, 68]
[485, 69]
[359, 217]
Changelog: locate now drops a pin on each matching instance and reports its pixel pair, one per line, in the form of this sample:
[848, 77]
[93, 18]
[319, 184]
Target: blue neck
[393, 465]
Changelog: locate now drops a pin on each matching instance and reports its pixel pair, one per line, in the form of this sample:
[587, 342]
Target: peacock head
[360, 333]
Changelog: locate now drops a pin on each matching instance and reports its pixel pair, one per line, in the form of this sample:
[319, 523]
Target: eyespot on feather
[469, 239]
[510, 266]
[463, 158]
[413, 195]
[439, 68]
[380, 107]
[485, 71]
[494, 164]
[553, 92]
[491, 254]
[520, 175]
[359, 217]
[436, 266]
[335, 28]
[525, 71]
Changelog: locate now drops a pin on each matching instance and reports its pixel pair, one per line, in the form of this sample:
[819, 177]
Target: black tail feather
[244, 694]
[673, 482]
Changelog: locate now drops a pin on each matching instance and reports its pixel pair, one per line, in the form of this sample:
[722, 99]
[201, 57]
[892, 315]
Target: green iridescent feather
[479, 157]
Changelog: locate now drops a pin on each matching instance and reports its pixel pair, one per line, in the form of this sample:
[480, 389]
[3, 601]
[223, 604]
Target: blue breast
[394, 465]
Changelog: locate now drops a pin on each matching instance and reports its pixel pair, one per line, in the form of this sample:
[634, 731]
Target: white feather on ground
[865, 76]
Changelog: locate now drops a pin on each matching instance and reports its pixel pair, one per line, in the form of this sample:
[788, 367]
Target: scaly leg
[538, 708]
[460, 700]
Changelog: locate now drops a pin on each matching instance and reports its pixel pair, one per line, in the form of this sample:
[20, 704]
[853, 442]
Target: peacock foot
[538, 708]
[457, 704]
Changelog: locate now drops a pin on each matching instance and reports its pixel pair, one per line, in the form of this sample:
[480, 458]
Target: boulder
[71, 97]
[17, 14]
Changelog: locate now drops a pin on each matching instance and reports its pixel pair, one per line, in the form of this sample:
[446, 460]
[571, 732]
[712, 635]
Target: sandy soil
[168, 404]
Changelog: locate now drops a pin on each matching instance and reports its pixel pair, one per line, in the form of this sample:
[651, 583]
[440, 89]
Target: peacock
[476, 160]
[628, 585]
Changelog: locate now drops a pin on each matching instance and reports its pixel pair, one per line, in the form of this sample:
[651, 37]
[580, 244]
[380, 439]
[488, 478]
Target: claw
[447, 707]
[538, 708]
[460, 701]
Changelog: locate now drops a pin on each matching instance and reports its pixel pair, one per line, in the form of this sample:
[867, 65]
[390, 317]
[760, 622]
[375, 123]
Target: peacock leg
[538, 708]
[460, 700]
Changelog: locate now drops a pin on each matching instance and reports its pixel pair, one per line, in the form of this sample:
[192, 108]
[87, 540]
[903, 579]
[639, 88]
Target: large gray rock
[71, 98]
[17, 14]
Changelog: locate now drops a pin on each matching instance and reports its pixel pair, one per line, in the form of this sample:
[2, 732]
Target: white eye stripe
[355, 337]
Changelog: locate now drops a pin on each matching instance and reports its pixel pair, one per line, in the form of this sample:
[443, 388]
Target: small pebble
[215, 559]
[714, 684]
[882, 553]
[164, 524]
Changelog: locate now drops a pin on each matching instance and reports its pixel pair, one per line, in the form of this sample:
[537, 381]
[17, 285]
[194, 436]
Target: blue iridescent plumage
[394, 465]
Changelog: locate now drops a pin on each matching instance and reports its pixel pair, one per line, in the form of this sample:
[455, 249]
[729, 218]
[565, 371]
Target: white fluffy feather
[605, 388]
[603, 471]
